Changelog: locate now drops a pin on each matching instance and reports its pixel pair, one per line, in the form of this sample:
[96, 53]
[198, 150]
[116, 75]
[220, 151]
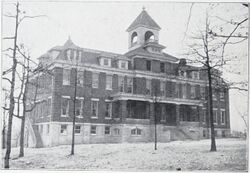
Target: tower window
[149, 36]
[134, 38]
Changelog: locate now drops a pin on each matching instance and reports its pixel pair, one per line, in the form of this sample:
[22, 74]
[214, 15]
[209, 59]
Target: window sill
[79, 117]
[109, 89]
[94, 117]
[63, 134]
[65, 116]
[92, 134]
[108, 118]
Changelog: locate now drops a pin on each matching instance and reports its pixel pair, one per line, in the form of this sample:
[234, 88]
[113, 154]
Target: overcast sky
[102, 26]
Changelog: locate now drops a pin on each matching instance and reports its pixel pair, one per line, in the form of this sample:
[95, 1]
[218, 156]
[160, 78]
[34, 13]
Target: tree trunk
[210, 92]
[21, 152]
[12, 101]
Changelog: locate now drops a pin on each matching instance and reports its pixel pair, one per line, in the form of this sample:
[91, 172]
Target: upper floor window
[204, 115]
[148, 65]
[49, 106]
[177, 90]
[106, 62]
[162, 87]
[203, 93]
[223, 116]
[148, 87]
[109, 82]
[215, 116]
[79, 107]
[129, 85]
[123, 64]
[65, 106]
[121, 83]
[182, 73]
[214, 95]
[94, 108]
[195, 75]
[222, 95]
[95, 80]
[66, 77]
[193, 92]
[184, 91]
[80, 78]
[162, 67]
[134, 38]
[68, 53]
[108, 112]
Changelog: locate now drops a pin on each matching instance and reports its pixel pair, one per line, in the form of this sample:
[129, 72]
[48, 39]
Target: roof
[144, 20]
[143, 52]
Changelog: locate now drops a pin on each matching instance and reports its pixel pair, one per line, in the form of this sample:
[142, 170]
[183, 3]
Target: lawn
[176, 155]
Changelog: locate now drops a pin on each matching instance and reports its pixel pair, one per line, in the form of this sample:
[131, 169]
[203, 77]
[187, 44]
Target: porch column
[123, 110]
[177, 114]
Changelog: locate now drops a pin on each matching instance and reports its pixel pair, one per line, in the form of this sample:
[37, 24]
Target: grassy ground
[184, 155]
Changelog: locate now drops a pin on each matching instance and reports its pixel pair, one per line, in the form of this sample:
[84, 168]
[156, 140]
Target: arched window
[134, 38]
[149, 36]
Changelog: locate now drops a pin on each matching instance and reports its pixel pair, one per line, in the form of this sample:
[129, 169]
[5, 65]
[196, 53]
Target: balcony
[162, 99]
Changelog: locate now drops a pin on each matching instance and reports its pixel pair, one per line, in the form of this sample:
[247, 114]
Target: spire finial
[143, 8]
[69, 38]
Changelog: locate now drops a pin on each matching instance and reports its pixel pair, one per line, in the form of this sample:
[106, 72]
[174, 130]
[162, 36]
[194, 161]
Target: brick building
[119, 95]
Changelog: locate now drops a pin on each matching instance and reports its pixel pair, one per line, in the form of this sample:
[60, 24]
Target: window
[223, 133]
[148, 65]
[116, 131]
[95, 80]
[123, 64]
[68, 54]
[214, 96]
[75, 56]
[203, 93]
[177, 90]
[78, 129]
[93, 130]
[162, 67]
[66, 77]
[215, 116]
[64, 129]
[162, 87]
[204, 133]
[204, 115]
[182, 73]
[195, 75]
[121, 83]
[109, 82]
[129, 85]
[223, 116]
[193, 92]
[79, 105]
[148, 87]
[47, 128]
[106, 62]
[65, 106]
[184, 91]
[136, 131]
[41, 129]
[108, 112]
[80, 78]
[107, 130]
[49, 106]
[94, 108]
[222, 95]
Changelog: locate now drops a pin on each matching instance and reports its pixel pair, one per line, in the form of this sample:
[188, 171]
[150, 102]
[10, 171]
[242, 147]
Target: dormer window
[106, 62]
[182, 73]
[68, 54]
[195, 75]
[123, 64]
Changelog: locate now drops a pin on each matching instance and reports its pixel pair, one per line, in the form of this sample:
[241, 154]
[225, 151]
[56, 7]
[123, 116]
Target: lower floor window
[107, 130]
[136, 131]
[223, 133]
[93, 130]
[78, 129]
[64, 129]
[116, 131]
[204, 133]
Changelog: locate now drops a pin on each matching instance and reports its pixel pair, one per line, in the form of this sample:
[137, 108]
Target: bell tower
[143, 30]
